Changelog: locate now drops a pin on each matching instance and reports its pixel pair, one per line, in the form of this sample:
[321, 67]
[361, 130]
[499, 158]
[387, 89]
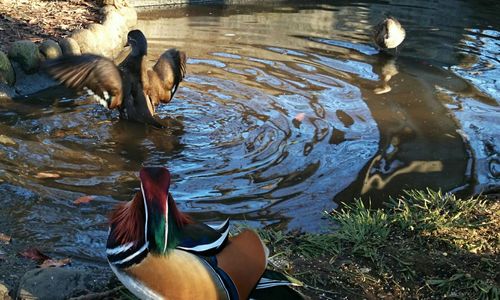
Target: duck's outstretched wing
[170, 69]
[202, 239]
[92, 73]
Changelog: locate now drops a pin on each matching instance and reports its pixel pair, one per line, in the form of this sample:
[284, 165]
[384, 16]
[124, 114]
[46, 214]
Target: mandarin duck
[130, 86]
[159, 252]
[388, 33]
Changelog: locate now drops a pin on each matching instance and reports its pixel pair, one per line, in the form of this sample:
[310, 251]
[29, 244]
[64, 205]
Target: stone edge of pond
[20, 73]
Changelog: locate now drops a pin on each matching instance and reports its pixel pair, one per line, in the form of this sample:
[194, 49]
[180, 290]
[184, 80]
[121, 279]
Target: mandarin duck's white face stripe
[166, 224]
[145, 214]
[205, 247]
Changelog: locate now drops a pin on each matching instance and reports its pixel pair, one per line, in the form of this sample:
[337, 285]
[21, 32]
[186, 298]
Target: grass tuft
[429, 210]
[364, 230]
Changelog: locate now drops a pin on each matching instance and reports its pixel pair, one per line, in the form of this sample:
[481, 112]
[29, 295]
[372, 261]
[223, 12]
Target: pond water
[287, 110]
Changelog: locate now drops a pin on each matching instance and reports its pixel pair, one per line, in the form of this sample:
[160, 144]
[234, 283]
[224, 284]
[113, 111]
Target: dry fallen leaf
[84, 199]
[43, 175]
[48, 263]
[34, 254]
[6, 140]
[5, 238]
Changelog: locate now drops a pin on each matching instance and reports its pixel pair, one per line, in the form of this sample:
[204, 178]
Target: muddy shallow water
[285, 112]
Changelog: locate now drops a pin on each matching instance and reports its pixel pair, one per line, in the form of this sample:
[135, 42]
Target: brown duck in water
[389, 33]
[131, 87]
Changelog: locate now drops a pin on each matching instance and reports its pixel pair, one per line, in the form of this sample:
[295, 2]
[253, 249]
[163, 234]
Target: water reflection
[286, 111]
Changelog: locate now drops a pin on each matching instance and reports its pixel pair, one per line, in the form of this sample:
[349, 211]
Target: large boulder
[130, 15]
[7, 75]
[50, 49]
[117, 26]
[69, 47]
[86, 40]
[26, 54]
[57, 283]
[102, 38]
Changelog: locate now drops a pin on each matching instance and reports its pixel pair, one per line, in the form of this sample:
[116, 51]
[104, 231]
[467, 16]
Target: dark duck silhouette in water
[131, 87]
[388, 33]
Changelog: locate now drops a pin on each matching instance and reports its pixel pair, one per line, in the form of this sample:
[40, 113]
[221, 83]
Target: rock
[115, 3]
[4, 292]
[69, 47]
[7, 75]
[26, 54]
[86, 40]
[56, 283]
[130, 16]
[50, 49]
[102, 38]
[107, 9]
[117, 27]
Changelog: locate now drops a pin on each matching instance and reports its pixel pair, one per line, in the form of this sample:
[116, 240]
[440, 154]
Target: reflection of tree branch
[417, 166]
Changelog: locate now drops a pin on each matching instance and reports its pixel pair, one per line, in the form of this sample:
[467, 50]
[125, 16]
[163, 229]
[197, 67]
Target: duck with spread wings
[131, 87]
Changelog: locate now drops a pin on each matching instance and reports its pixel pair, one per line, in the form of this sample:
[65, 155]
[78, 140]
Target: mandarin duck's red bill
[158, 252]
[131, 87]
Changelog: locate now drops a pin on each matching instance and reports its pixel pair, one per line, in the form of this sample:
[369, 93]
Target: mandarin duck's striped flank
[131, 87]
[158, 252]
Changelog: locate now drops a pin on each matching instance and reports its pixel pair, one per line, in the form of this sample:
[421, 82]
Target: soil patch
[37, 20]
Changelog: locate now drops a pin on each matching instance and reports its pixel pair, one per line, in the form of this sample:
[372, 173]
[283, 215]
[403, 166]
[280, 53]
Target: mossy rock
[69, 47]
[26, 53]
[7, 75]
[50, 49]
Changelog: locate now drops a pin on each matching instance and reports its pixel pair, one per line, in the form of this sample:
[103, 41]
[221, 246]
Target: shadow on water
[286, 111]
